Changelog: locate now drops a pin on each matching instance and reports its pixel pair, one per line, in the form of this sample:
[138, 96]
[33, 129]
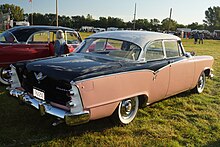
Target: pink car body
[98, 96]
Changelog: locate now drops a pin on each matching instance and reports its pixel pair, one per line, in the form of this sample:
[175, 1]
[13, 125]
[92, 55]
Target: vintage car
[110, 74]
[30, 42]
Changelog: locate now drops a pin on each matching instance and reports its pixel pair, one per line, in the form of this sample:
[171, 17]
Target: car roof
[140, 38]
[22, 33]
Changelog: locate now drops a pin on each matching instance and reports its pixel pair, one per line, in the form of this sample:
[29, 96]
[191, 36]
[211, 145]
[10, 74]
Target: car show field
[185, 119]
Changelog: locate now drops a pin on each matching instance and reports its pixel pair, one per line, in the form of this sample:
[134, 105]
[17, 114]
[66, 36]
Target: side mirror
[190, 54]
[193, 53]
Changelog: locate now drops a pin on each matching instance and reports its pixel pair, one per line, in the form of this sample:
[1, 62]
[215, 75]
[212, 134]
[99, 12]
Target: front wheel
[4, 75]
[126, 111]
[200, 84]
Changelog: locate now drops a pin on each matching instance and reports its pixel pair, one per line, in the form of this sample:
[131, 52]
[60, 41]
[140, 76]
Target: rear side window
[154, 51]
[39, 37]
[112, 47]
[7, 37]
[172, 49]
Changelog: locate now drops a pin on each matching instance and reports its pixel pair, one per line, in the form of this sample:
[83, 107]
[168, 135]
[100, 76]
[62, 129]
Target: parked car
[125, 70]
[30, 42]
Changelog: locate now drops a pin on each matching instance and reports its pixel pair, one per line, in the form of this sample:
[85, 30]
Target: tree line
[104, 22]
[211, 21]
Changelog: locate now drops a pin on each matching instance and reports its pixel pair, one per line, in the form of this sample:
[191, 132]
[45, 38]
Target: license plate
[38, 94]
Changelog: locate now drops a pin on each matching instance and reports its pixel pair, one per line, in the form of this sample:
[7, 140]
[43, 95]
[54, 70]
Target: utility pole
[32, 17]
[57, 12]
[169, 19]
[134, 16]
[32, 13]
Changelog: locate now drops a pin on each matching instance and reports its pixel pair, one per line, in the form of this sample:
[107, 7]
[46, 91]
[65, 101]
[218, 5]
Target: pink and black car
[110, 74]
[30, 42]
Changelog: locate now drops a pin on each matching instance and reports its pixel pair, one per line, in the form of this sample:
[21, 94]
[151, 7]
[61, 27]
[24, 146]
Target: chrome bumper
[211, 75]
[69, 118]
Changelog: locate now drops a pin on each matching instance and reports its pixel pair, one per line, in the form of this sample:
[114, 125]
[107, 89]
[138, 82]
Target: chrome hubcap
[5, 74]
[127, 108]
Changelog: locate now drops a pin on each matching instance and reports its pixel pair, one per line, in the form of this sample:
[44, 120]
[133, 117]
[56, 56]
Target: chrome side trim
[114, 74]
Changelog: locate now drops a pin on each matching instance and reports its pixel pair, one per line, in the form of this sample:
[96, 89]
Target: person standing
[196, 37]
[59, 45]
[201, 37]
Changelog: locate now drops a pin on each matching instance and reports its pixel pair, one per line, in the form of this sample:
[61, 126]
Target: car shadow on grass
[22, 125]
[213, 144]
[40, 130]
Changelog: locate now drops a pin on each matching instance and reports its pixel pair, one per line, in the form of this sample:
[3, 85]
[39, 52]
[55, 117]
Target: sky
[183, 11]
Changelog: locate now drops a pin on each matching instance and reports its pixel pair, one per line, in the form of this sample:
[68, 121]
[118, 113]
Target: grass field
[183, 120]
[85, 34]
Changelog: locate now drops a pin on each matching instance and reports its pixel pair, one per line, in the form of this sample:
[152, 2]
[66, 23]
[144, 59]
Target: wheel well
[207, 72]
[143, 99]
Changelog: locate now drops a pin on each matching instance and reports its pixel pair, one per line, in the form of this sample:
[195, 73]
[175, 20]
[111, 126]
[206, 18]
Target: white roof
[141, 38]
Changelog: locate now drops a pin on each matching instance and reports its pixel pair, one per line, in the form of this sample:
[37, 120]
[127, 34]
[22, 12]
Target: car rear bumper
[43, 107]
[211, 75]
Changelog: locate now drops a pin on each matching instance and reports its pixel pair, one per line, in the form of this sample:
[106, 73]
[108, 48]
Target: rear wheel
[4, 75]
[200, 84]
[126, 111]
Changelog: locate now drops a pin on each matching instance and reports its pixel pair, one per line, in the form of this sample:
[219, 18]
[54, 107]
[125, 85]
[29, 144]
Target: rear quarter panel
[18, 52]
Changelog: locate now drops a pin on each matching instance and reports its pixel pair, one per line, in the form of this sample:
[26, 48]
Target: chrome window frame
[180, 51]
[143, 56]
[48, 36]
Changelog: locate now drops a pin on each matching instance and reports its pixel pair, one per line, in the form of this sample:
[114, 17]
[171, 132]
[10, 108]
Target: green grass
[85, 34]
[182, 120]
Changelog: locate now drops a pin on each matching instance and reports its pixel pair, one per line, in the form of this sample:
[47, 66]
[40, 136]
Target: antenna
[32, 14]
[134, 16]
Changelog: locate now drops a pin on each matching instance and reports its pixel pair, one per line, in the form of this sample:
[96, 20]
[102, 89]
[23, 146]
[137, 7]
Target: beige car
[110, 74]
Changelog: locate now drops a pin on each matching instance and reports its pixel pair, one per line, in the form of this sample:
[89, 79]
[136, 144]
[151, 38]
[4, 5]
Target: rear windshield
[110, 47]
[7, 37]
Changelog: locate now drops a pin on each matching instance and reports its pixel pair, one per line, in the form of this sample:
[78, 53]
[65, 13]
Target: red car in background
[31, 42]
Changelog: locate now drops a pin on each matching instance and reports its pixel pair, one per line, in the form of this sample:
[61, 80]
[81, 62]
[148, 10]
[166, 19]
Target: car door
[158, 65]
[181, 67]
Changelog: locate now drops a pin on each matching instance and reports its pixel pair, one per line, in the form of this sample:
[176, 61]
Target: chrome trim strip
[141, 70]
